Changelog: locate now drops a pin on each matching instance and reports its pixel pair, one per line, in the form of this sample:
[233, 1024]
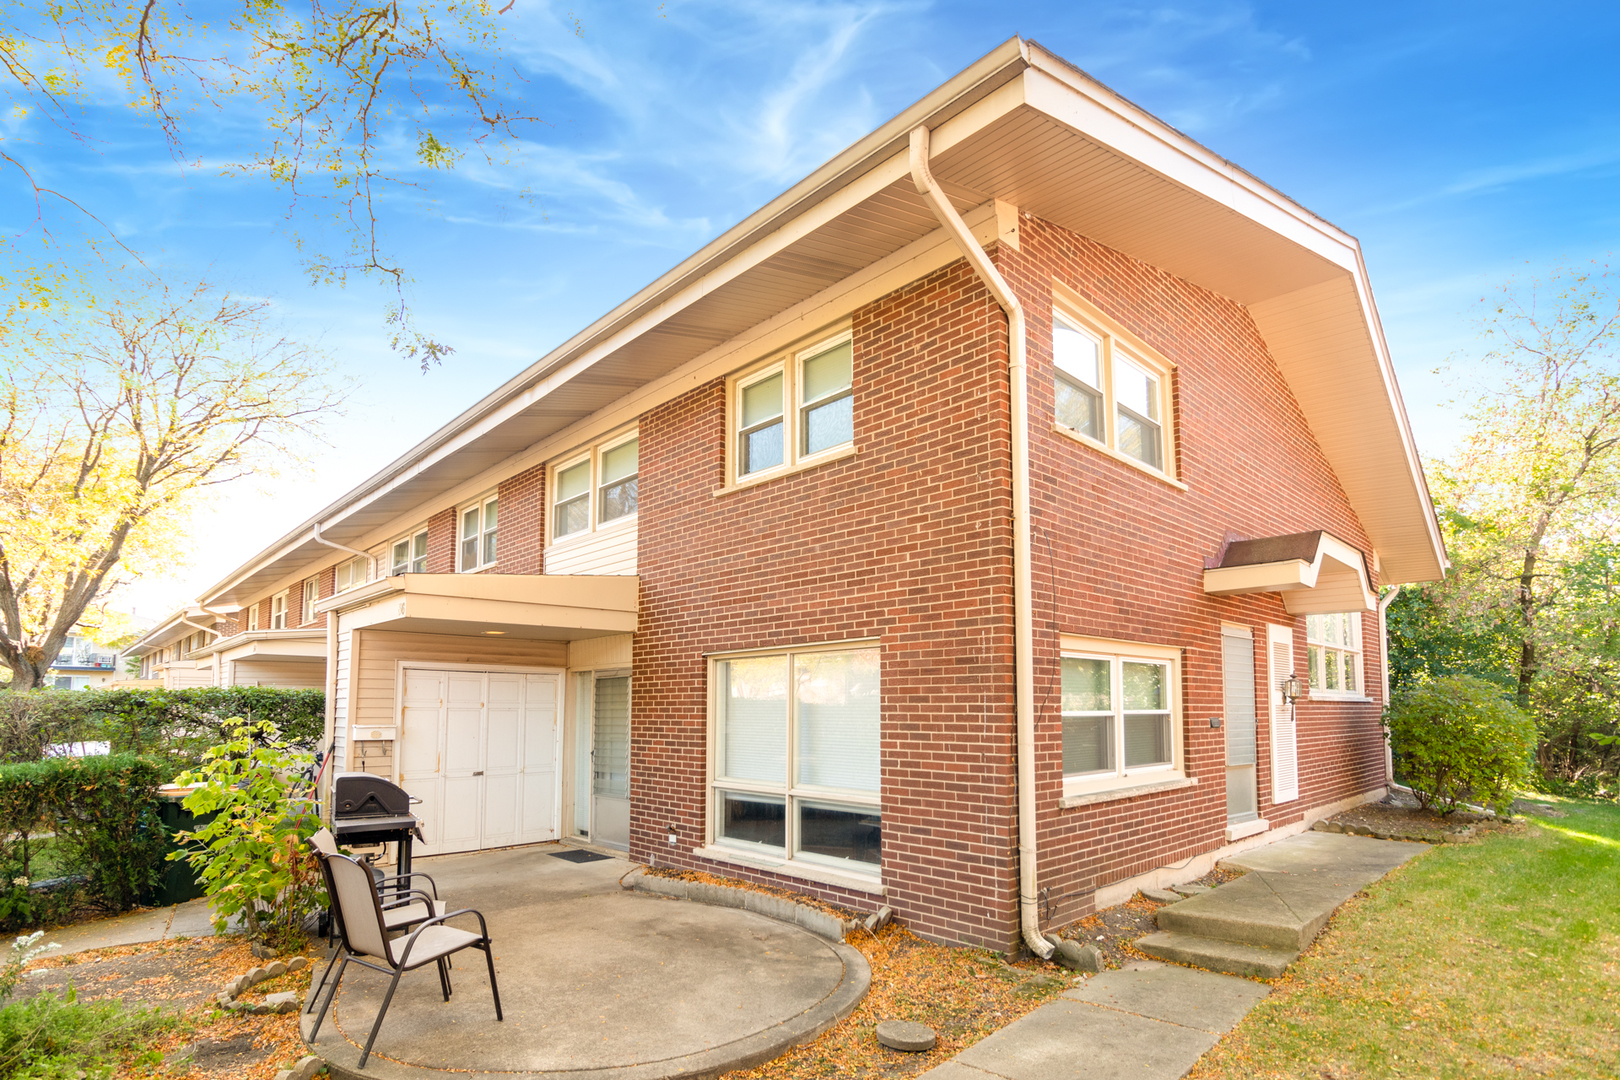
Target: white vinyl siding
[340, 701]
[1284, 739]
[282, 674]
[606, 551]
[592, 518]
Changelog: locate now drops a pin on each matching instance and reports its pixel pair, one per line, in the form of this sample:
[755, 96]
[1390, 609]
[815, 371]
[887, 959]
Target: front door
[1237, 676]
[610, 761]
[479, 748]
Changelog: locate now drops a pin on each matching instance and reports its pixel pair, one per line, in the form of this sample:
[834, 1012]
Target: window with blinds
[1118, 713]
[610, 766]
[797, 759]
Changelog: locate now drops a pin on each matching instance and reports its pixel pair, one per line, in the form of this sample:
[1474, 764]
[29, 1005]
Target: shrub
[1458, 739]
[176, 726]
[104, 814]
[52, 1037]
[253, 858]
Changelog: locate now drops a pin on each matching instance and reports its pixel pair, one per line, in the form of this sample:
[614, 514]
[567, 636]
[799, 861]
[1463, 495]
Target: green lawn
[1497, 958]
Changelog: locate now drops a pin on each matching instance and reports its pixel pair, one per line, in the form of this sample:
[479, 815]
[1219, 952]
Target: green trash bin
[179, 882]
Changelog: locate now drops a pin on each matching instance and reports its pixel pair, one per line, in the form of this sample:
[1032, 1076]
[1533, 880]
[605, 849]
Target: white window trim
[593, 497]
[482, 505]
[1157, 777]
[803, 864]
[281, 599]
[358, 560]
[790, 363]
[253, 616]
[1075, 310]
[1359, 652]
[409, 539]
[309, 595]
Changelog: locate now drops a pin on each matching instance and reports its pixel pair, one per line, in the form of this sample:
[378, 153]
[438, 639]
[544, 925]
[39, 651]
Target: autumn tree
[112, 429]
[1534, 483]
[339, 103]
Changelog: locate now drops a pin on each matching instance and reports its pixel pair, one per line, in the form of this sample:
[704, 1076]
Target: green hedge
[174, 725]
[103, 812]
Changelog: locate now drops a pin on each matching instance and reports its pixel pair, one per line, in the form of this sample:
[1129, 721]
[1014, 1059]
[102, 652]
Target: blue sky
[1462, 144]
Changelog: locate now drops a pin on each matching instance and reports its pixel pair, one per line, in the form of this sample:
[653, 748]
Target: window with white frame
[1111, 391]
[278, 611]
[596, 489]
[1333, 654]
[253, 617]
[312, 593]
[1120, 713]
[796, 756]
[409, 554]
[795, 409]
[477, 548]
[351, 574]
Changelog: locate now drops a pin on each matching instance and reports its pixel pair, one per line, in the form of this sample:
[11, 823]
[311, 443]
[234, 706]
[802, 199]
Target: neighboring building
[746, 577]
[82, 664]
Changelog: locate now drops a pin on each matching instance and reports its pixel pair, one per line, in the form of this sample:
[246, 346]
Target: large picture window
[794, 410]
[598, 489]
[796, 758]
[1333, 654]
[1120, 714]
[1111, 392]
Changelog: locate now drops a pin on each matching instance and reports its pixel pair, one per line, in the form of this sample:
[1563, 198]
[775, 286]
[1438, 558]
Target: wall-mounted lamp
[1293, 688]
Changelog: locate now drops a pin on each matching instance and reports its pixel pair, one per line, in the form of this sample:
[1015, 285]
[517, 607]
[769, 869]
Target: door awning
[552, 607]
[1316, 573]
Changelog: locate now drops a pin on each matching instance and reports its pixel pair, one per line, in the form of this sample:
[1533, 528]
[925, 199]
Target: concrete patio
[596, 981]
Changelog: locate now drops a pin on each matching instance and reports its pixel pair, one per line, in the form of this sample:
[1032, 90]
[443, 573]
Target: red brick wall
[441, 556]
[520, 540]
[909, 542]
[1118, 554]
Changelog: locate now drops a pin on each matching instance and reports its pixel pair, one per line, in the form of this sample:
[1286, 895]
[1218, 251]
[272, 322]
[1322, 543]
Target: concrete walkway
[189, 919]
[1148, 1021]
[597, 981]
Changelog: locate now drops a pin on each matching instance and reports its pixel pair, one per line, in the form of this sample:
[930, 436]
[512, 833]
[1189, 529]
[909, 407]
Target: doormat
[579, 856]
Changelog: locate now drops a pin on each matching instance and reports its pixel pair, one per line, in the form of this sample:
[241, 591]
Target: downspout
[371, 560]
[330, 728]
[1023, 591]
[1383, 645]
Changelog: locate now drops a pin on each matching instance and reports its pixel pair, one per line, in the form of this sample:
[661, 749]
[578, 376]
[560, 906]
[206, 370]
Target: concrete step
[1248, 911]
[1217, 954]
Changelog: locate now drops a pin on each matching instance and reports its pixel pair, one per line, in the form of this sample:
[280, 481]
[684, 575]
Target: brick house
[943, 536]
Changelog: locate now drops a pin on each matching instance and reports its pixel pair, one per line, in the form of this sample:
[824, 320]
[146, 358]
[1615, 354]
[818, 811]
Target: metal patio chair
[365, 941]
[403, 907]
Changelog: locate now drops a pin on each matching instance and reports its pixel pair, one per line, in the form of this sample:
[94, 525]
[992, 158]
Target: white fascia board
[165, 631]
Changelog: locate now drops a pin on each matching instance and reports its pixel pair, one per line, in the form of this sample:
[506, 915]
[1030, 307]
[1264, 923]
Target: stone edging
[286, 1002]
[1447, 836]
[780, 908]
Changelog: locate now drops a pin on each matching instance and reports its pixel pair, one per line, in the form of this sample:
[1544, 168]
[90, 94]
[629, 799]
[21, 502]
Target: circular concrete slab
[596, 982]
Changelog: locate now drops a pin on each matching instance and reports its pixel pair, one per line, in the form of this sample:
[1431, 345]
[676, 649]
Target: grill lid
[358, 794]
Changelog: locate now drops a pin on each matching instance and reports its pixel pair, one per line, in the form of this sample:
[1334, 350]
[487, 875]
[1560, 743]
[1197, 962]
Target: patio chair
[365, 941]
[403, 907]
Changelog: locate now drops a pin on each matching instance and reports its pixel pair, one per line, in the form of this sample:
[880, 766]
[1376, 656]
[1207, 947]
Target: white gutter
[1383, 645]
[371, 560]
[1023, 591]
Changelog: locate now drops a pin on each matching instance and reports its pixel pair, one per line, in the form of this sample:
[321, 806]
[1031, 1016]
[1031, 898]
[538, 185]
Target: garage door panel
[503, 733]
[539, 805]
[419, 745]
[501, 797]
[460, 821]
[428, 789]
[463, 750]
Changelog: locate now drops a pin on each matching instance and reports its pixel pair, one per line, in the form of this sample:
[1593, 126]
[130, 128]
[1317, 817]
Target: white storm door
[1284, 740]
[463, 763]
[541, 697]
[610, 762]
[503, 759]
[421, 747]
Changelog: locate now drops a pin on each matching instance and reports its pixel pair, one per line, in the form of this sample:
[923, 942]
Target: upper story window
[1119, 705]
[312, 593]
[1112, 391]
[1333, 654]
[278, 611]
[351, 574]
[477, 548]
[794, 410]
[409, 554]
[253, 617]
[596, 489]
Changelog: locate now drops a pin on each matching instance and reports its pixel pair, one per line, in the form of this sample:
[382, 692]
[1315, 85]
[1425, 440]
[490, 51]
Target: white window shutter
[1284, 744]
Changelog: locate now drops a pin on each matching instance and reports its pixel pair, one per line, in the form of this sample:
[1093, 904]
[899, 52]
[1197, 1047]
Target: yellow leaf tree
[113, 426]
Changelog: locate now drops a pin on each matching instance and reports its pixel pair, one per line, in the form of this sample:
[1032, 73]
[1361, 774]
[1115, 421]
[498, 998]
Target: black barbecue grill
[366, 809]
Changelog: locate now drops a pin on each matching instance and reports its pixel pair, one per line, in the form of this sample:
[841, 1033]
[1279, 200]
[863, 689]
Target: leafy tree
[1536, 480]
[323, 94]
[111, 430]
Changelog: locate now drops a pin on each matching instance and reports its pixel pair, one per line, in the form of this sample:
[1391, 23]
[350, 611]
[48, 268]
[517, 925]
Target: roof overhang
[1019, 127]
[1316, 573]
[170, 630]
[549, 607]
[273, 645]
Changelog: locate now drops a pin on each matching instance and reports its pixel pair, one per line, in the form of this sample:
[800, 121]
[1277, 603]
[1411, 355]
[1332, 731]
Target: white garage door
[479, 748]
